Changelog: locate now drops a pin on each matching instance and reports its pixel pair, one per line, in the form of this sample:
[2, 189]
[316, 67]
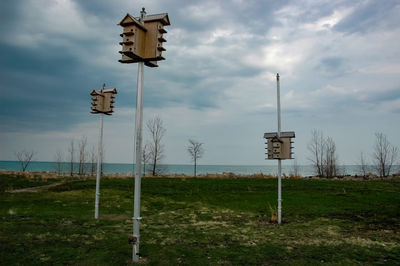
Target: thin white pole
[278, 88]
[99, 159]
[279, 160]
[138, 156]
[279, 192]
[138, 172]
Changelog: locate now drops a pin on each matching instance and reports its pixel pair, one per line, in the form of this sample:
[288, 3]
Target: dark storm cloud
[257, 16]
[101, 8]
[384, 96]
[45, 85]
[47, 59]
[201, 78]
[42, 89]
[369, 15]
[332, 63]
[221, 60]
[8, 13]
[332, 66]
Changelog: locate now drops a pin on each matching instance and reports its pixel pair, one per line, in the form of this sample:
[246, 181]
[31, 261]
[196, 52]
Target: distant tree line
[154, 150]
[324, 158]
[323, 155]
[81, 159]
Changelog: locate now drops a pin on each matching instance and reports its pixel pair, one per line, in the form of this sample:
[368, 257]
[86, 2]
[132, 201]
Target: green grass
[202, 221]
[10, 182]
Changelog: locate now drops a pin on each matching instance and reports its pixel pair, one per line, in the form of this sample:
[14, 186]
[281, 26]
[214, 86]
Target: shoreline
[166, 169]
[225, 175]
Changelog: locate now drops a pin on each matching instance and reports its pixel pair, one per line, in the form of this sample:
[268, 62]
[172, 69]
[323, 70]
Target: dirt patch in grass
[114, 217]
[34, 189]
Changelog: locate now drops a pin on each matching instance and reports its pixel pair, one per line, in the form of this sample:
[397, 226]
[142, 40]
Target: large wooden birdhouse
[143, 40]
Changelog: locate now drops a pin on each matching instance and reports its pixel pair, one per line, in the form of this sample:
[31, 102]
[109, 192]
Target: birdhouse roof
[271, 135]
[95, 92]
[129, 20]
[163, 18]
[112, 90]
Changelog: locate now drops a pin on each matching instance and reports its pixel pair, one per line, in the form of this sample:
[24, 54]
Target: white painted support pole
[279, 192]
[99, 161]
[279, 160]
[138, 156]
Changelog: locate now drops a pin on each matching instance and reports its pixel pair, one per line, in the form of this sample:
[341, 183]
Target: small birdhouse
[103, 101]
[279, 147]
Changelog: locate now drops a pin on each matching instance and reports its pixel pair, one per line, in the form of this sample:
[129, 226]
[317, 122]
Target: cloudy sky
[339, 63]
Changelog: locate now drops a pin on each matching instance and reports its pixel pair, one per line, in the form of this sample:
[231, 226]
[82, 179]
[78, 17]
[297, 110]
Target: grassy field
[201, 222]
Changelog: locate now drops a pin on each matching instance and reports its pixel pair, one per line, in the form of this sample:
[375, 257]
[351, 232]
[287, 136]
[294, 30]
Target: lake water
[111, 168]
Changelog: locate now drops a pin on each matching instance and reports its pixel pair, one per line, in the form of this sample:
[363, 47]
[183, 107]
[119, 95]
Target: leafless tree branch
[323, 154]
[363, 164]
[196, 151]
[71, 151]
[59, 161]
[82, 155]
[384, 155]
[145, 156]
[24, 158]
[317, 148]
[93, 160]
[157, 131]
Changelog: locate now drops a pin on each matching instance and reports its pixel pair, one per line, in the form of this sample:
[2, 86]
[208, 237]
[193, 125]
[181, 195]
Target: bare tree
[296, 168]
[82, 155]
[103, 158]
[363, 164]
[317, 149]
[157, 131]
[384, 155]
[92, 163]
[59, 161]
[71, 151]
[24, 158]
[145, 157]
[323, 154]
[330, 160]
[93, 160]
[196, 151]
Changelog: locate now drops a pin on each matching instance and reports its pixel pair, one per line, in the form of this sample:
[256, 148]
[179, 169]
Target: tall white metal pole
[99, 160]
[138, 172]
[279, 160]
[138, 155]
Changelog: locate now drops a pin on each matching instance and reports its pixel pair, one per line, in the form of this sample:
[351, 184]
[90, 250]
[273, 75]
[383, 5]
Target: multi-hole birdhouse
[142, 39]
[103, 101]
[279, 147]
